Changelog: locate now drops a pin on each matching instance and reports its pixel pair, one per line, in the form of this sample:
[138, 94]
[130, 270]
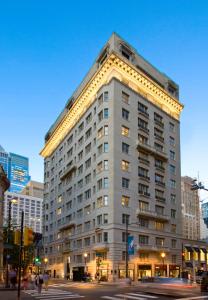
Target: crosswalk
[54, 294]
[69, 284]
[126, 296]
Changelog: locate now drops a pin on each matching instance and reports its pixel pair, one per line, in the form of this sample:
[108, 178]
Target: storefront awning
[204, 250]
[196, 249]
[189, 249]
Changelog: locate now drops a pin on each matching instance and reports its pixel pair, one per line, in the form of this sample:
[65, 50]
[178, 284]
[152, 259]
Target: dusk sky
[46, 48]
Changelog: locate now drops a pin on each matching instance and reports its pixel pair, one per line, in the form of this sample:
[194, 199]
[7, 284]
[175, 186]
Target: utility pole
[20, 256]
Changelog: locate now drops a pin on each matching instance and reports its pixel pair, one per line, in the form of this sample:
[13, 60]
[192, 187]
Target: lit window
[125, 201]
[125, 131]
[125, 165]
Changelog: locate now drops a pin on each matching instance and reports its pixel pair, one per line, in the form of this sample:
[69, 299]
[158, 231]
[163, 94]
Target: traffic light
[28, 236]
[37, 261]
[17, 235]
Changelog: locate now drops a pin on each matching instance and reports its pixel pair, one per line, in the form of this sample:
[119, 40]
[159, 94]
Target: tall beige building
[34, 189]
[113, 155]
[190, 210]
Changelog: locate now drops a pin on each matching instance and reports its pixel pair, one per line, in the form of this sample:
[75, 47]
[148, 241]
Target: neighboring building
[4, 160]
[203, 226]
[32, 207]
[190, 209]
[4, 185]
[33, 188]
[17, 169]
[204, 208]
[113, 155]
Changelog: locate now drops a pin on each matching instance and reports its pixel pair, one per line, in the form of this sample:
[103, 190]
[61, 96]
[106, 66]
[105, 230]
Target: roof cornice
[114, 66]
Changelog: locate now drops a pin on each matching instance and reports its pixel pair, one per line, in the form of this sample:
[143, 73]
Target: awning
[204, 250]
[189, 249]
[196, 249]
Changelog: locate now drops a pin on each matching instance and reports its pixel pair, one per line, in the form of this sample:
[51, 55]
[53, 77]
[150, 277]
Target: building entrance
[78, 273]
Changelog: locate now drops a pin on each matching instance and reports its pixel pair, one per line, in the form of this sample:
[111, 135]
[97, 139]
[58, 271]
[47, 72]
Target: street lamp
[11, 201]
[45, 261]
[163, 255]
[85, 260]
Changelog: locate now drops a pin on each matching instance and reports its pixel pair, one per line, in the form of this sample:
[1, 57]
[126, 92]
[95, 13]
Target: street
[64, 291]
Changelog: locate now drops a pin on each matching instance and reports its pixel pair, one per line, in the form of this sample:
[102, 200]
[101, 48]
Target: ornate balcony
[68, 171]
[152, 248]
[101, 247]
[152, 214]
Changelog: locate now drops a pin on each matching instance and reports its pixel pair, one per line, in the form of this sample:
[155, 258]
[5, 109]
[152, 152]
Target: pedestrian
[39, 282]
[32, 280]
[25, 282]
[45, 280]
[13, 278]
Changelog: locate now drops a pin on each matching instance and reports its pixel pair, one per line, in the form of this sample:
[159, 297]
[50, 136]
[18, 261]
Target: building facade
[4, 185]
[190, 209]
[33, 188]
[16, 168]
[32, 207]
[112, 157]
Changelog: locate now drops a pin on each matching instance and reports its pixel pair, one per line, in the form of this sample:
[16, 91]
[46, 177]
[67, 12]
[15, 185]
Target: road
[93, 292]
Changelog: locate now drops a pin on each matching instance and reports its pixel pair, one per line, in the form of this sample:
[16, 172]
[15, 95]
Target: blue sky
[46, 48]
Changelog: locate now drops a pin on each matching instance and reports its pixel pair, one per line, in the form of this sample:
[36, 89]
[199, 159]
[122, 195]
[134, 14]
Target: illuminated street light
[85, 260]
[163, 255]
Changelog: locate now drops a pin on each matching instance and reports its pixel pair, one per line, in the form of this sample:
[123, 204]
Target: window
[125, 114]
[173, 243]
[81, 127]
[100, 150]
[70, 140]
[80, 184]
[172, 183]
[158, 120]
[144, 222]
[144, 157]
[172, 169]
[125, 97]
[99, 237]
[125, 131]
[106, 130]
[87, 210]
[125, 183]
[80, 155]
[99, 202]
[172, 141]
[142, 139]
[173, 228]
[124, 237]
[105, 237]
[159, 164]
[88, 178]
[159, 147]
[99, 184]
[171, 127]
[105, 200]
[173, 198]
[125, 148]
[100, 116]
[59, 211]
[158, 134]
[143, 189]
[125, 165]
[105, 183]
[80, 170]
[125, 218]
[160, 241]
[79, 198]
[88, 148]
[143, 206]
[100, 166]
[106, 96]
[99, 220]
[106, 113]
[88, 163]
[142, 172]
[143, 240]
[100, 99]
[159, 195]
[87, 241]
[142, 109]
[80, 141]
[125, 201]
[88, 194]
[105, 164]
[106, 147]
[173, 213]
[88, 133]
[105, 218]
[159, 179]
[159, 210]
[100, 133]
[89, 118]
[143, 125]
[159, 225]
[172, 155]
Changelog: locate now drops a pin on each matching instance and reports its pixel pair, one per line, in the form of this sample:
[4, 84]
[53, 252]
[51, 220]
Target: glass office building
[17, 169]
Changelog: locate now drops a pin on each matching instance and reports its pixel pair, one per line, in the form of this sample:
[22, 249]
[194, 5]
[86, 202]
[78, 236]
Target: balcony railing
[161, 199]
[160, 168]
[151, 214]
[159, 123]
[68, 171]
[142, 193]
[144, 177]
[143, 113]
[153, 151]
[144, 160]
[159, 137]
[160, 183]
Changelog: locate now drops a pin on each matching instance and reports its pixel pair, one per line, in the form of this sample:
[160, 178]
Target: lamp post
[163, 255]
[11, 201]
[85, 261]
[45, 262]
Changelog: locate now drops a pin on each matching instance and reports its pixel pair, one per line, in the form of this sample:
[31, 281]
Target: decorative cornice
[113, 67]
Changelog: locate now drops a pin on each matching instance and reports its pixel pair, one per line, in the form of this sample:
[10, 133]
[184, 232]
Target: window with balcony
[125, 131]
[160, 241]
[143, 109]
[125, 114]
[142, 172]
[143, 239]
[159, 164]
[158, 120]
[125, 183]
[159, 195]
[143, 222]
[158, 134]
[125, 97]
[159, 225]
[125, 201]
[143, 189]
[144, 157]
[125, 165]
[159, 147]
[159, 179]
[143, 206]
[159, 210]
[143, 125]
[142, 139]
